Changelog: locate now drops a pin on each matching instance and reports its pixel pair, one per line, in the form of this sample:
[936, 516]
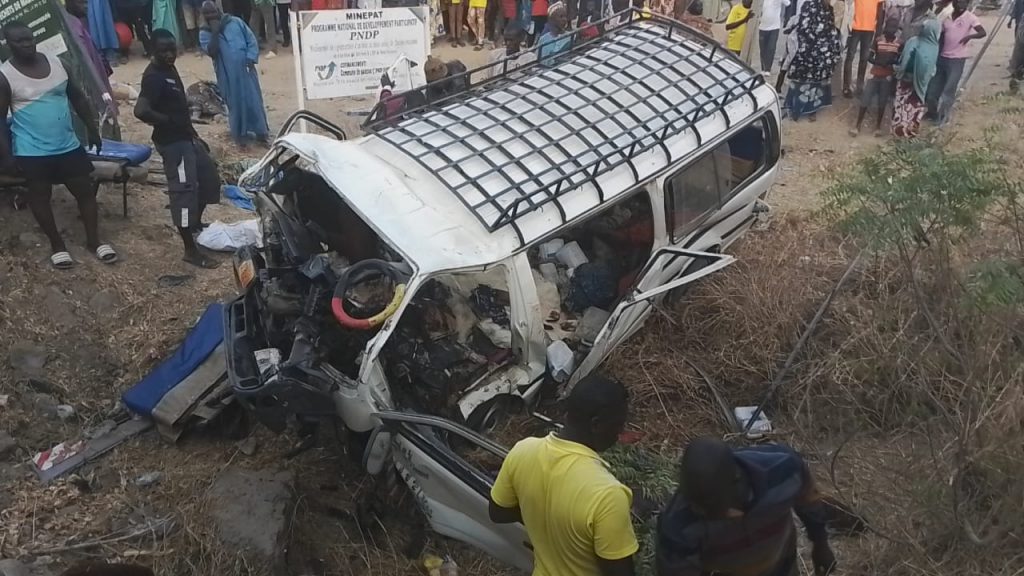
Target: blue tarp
[200, 341]
[238, 197]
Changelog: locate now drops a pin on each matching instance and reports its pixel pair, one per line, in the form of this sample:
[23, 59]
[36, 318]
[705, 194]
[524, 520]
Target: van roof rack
[521, 140]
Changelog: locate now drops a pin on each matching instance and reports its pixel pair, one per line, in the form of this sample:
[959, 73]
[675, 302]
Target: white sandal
[61, 260]
[106, 254]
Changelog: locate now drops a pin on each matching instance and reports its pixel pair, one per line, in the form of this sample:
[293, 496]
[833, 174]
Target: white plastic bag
[230, 237]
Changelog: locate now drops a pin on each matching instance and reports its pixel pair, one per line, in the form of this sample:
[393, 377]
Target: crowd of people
[113, 24]
[914, 51]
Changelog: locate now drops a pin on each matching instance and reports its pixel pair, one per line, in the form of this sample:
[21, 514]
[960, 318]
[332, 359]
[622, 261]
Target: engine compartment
[315, 296]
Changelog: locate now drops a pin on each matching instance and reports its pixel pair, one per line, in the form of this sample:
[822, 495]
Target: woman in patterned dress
[914, 72]
[815, 59]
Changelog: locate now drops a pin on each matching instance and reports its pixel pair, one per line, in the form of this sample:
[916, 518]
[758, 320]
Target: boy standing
[192, 178]
[879, 88]
[736, 25]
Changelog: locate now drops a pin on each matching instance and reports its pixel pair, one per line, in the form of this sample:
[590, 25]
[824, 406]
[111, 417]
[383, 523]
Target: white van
[417, 281]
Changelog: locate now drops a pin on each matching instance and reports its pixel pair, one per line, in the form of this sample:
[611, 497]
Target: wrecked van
[459, 259]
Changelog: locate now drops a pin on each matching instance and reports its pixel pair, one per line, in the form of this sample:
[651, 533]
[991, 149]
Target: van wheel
[674, 296]
[487, 415]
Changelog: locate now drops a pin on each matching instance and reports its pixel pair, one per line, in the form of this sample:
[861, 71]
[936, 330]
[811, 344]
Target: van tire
[485, 416]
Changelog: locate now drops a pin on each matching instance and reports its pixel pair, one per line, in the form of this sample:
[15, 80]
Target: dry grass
[929, 455]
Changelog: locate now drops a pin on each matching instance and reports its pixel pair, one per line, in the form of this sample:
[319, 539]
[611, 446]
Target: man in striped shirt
[733, 514]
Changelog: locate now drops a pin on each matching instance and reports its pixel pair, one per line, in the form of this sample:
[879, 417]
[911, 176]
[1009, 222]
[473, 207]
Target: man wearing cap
[437, 70]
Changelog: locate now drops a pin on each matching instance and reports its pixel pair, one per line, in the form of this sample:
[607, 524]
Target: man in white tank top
[41, 145]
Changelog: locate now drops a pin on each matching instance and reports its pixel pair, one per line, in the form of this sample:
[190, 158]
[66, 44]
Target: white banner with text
[345, 52]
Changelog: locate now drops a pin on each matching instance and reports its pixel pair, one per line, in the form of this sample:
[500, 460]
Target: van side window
[707, 184]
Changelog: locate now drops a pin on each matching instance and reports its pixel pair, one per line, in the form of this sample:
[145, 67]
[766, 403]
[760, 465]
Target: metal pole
[777, 381]
[300, 94]
[984, 47]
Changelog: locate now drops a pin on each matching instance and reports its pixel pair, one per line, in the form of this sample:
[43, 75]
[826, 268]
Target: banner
[46, 19]
[40, 15]
[345, 52]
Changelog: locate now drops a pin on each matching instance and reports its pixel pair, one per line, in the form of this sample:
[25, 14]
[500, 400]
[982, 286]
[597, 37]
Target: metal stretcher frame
[666, 54]
[120, 177]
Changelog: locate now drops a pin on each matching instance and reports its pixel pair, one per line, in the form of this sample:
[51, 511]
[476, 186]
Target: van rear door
[634, 308]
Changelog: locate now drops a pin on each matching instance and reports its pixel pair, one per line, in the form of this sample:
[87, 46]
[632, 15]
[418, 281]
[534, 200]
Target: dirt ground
[91, 332]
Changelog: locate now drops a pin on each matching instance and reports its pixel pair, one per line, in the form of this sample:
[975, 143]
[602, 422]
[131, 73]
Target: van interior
[584, 272]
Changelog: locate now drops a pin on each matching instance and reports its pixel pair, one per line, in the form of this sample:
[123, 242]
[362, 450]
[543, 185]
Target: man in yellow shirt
[576, 513]
[736, 25]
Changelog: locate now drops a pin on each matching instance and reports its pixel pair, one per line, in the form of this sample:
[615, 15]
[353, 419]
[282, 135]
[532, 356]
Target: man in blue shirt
[41, 144]
[733, 514]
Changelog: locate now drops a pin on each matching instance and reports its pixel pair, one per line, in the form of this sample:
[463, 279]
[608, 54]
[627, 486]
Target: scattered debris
[251, 510]
[149, 478]
[4, 399]
[68, 456]
[756, 429]
[65, 411]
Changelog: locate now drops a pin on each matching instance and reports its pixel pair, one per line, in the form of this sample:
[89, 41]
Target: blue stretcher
[145, 397]
[125, 155]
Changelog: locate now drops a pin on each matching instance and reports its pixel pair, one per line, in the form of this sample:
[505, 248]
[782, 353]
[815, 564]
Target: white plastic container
[549, 271]
[549, 249]
[572, 255]
[561, 362]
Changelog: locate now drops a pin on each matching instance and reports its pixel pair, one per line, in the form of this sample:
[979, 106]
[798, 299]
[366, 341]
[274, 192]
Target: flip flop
[106, 254]
[61, 260]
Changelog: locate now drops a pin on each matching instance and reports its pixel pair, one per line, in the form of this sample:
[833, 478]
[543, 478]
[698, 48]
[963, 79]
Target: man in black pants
[192, 178]
[138, 15]
[858, 44]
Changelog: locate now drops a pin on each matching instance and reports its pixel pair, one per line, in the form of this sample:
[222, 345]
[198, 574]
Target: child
[476, 20]
[879, 88]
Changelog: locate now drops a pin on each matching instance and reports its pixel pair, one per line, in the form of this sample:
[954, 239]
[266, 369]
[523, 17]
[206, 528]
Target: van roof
[470, 179]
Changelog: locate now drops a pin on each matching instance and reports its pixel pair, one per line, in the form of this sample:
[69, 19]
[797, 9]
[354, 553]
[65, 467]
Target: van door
[633, 309]
[453, 493]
